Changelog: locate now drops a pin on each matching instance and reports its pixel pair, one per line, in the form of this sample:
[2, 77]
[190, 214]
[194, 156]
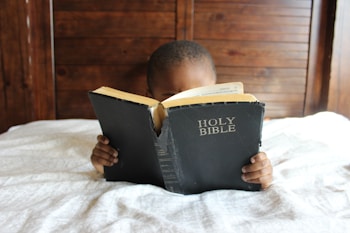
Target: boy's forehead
[186, 75]
[188, 69]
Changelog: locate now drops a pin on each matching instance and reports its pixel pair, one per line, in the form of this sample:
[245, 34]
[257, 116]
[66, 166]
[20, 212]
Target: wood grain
[339, 91]
[15, 95]
[280, 49]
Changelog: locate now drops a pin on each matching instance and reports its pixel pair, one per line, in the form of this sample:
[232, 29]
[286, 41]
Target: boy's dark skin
[167, 82]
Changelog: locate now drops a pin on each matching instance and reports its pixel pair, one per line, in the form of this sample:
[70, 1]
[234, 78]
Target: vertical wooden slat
[3, 124]
[41, 56]
[15, 101]
[321, 36]
[339, 96]
[184, 19]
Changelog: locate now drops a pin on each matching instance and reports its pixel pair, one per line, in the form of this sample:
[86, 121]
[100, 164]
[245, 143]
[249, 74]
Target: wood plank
[184, 19]
[120, 24]
[74, 104]
[261, 72]
[249, 9]
[15, 98]
[227, 17]
[41, 59]
[250, 36]
[282, 105]
[257, 54]
[131, 78]
[296, 85]
[114, 5]
[280, 98]
[267, 79]
[82, 51]
[227, 30]
[321, 37]
[237, 26]
[285, 3]
[281, 111]
[339, 96]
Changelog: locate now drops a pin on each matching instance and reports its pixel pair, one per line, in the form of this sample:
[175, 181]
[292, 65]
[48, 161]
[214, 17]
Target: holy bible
[195, 141]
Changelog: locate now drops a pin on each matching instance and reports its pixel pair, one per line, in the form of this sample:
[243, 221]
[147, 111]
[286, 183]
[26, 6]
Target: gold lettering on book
[218, 125]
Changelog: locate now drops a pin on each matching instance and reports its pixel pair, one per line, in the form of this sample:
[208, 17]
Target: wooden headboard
[272, 46]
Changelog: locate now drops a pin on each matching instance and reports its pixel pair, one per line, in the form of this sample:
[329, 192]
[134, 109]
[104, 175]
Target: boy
[174, 67]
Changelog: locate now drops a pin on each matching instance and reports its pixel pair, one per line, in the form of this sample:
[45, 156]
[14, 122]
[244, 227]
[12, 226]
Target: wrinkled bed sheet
[47, 184]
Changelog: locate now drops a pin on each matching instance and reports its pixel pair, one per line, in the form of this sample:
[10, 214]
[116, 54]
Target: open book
[192, 142]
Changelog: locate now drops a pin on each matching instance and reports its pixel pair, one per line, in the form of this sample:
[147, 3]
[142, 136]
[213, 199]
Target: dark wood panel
[78, 51]
[321, 37]
[237, 26]
[114, 24]
[252, 72]
[280, 98]
[250, 9]
[339, 91]
[251, 36]
[269, 85]
[268, 80]
[282, 110]
[275, 3]
[263, 21]
[15, 95]
[108, 44]
[41, 59]
[74, 104]
[257, 54]
[277, 51]
[226, 26]
[131, 78]
[264, 44]
[113, 5]
[282, 105]
[184, 19]
[100, 25]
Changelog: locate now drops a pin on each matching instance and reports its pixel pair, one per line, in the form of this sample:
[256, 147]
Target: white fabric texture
[47, 184]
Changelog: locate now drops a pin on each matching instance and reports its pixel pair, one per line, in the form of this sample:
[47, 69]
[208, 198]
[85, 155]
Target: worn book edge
[224, 92]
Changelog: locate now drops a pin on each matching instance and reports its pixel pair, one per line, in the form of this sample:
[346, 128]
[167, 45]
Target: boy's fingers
[257, 165]
[100, 161]
[103, 153]
[265, 181]
[258, 157]
[103, 158]
[249, 176]
[103, 139]
[107, 149]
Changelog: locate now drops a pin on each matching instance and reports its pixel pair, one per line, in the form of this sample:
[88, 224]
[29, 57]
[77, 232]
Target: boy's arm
[103, 154]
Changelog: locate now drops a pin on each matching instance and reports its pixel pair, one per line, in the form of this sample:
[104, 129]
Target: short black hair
[174, 53]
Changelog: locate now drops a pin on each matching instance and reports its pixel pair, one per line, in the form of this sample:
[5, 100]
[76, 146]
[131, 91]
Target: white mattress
[47, 184]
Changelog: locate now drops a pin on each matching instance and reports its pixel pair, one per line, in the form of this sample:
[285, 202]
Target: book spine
[165, 152]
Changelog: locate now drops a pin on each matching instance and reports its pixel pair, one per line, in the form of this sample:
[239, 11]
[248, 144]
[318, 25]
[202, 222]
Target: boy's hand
[103, 154]
[259, 171]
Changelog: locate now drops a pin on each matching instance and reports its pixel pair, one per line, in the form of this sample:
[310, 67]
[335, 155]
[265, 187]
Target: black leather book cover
[211, 143]
[129, 127]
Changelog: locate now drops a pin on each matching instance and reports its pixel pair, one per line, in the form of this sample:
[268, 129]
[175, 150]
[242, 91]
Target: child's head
[178, 66]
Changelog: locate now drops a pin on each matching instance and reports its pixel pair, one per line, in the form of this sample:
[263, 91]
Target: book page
[217, 89]
[108, 91]
[224, 98]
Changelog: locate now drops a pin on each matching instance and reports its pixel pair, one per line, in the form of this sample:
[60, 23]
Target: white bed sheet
[47, 184]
